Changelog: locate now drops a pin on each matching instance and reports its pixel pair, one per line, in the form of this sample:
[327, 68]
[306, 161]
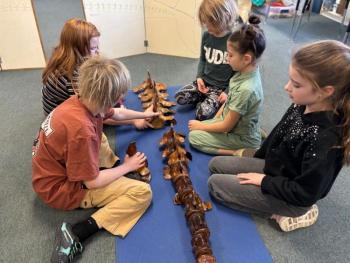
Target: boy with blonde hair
[65, 166]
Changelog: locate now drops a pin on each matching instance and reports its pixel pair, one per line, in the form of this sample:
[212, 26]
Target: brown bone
[143, 171]
[177, 170]
[152, 93]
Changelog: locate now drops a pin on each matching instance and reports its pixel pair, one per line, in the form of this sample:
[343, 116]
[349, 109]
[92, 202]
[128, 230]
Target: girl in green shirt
[236, 125]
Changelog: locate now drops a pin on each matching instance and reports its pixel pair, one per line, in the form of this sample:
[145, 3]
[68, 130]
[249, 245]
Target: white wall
[20, 45]
[121, 24]
[171, 27]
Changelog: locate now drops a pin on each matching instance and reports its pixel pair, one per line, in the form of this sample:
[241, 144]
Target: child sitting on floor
[79, 40]
[236, 125]
[65, 160]
[301, 158]
[207, 92]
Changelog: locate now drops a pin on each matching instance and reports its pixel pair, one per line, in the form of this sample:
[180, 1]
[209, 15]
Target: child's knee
[142, 193]
[213, 182]
[193, 138]
[187, 95]
[147, 192]
[213, 164]
[205, 111]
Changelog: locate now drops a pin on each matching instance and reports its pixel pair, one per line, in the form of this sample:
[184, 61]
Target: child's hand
[201, 86]
[134, 162]
[141, 124]
[194, 125]
[148, 110]
[222, 98]
[251, 178]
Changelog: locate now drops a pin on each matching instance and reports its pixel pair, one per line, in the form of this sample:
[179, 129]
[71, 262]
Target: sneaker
[67, 245]
[292, 223]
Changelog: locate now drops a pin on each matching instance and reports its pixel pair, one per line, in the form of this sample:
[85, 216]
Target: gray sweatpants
[225, 188]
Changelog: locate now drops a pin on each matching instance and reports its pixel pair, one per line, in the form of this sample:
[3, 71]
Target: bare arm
[225, 125]
[126, 114]
[220, 111]
[140, 124]
[114, 122]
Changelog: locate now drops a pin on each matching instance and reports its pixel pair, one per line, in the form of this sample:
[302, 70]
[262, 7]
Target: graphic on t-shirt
[46, 125]
[215, 56]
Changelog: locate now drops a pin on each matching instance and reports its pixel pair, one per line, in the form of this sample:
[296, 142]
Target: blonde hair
[327, 63]
[74, 44]
[103, 81]
[221, 14]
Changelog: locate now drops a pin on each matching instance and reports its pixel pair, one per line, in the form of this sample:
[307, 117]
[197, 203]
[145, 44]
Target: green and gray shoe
[67, 245]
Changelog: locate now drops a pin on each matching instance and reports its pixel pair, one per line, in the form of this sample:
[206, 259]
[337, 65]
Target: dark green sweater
[213, 67]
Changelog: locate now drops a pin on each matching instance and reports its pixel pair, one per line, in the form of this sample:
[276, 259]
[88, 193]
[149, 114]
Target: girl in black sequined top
[301, 158]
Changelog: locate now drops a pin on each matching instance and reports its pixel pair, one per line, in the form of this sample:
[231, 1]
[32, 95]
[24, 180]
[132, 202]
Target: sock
[85, 229]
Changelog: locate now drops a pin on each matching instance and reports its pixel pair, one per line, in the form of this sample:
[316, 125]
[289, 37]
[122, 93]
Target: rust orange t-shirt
[66, 153]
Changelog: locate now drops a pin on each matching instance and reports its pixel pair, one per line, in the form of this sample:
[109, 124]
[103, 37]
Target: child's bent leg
[122, 204]
[235, 165]
[207, 142]
[188, 94]
[208, 107]
[107, 158]
[224, 186]
[214, 142]
[248, 198]
[227, 190]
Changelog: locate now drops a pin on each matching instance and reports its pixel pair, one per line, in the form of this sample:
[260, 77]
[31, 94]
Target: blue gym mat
[162, 234]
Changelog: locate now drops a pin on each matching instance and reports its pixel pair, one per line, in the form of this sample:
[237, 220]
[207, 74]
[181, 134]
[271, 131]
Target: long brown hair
[327, 63]
[74, 44]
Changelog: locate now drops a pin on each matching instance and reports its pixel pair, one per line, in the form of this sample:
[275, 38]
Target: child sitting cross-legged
[236, 125]
[301, 158]
[65, 160]
[208, 91]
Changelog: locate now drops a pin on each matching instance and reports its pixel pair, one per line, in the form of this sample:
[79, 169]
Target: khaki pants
[122, 204]
[107, 158]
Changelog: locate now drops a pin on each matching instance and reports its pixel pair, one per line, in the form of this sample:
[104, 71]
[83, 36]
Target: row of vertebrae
[177, 170]
[155, 94]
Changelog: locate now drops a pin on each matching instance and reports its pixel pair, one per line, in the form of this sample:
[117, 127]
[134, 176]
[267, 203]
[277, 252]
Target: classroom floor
[27, 225]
